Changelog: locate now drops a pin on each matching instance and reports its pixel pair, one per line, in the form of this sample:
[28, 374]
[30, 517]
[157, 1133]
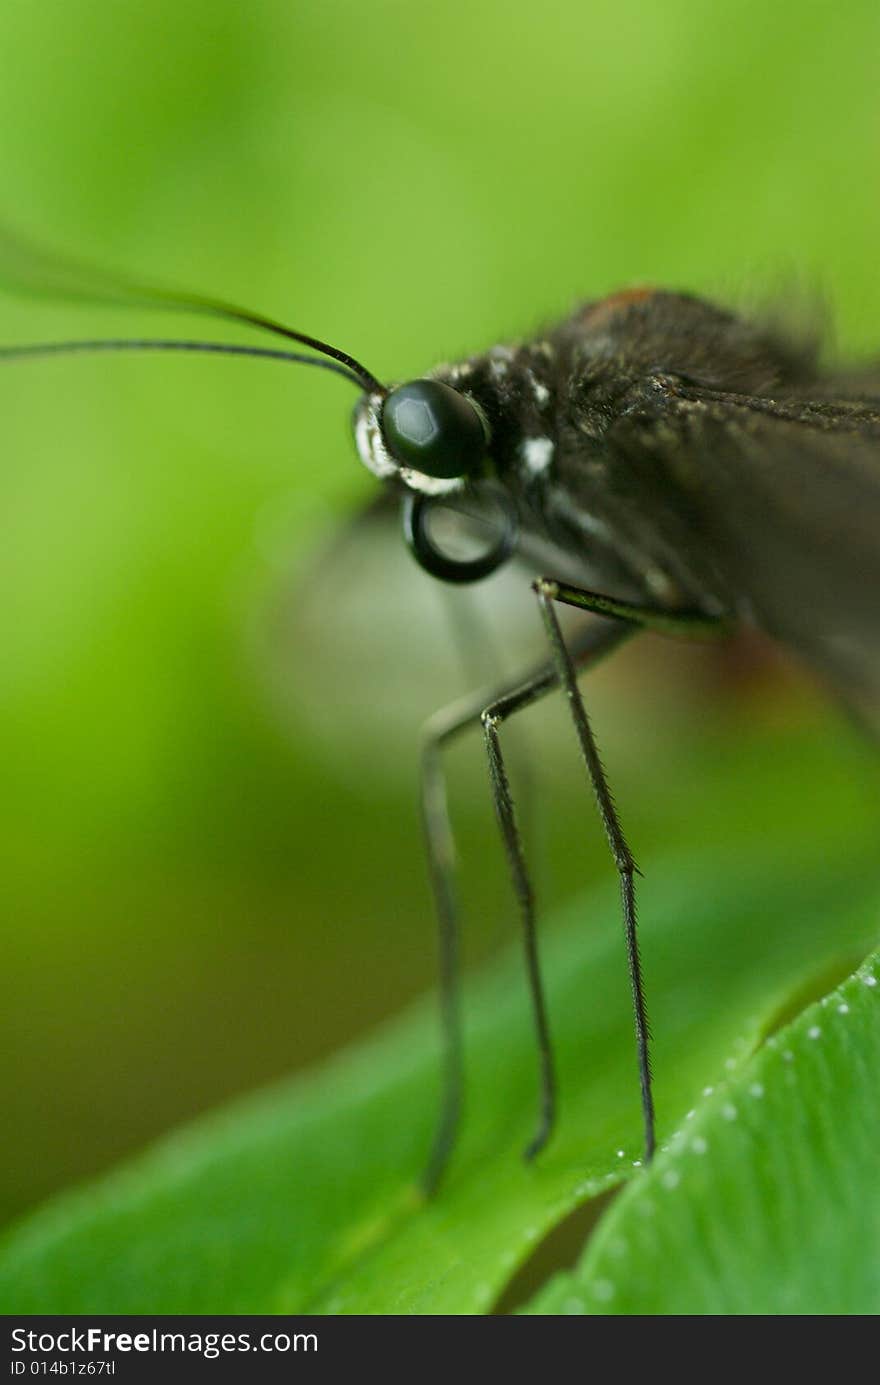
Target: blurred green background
[211, 866]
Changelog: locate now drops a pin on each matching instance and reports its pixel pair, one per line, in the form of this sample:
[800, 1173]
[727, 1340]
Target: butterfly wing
[783, 500]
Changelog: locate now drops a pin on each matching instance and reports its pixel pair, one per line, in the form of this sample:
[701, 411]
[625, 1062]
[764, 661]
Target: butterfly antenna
[216, 348]
[29, 269]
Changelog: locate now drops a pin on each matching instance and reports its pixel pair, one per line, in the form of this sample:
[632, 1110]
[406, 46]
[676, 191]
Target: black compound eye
[433, 429]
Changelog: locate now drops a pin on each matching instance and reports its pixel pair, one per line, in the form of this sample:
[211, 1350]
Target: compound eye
[433, 429]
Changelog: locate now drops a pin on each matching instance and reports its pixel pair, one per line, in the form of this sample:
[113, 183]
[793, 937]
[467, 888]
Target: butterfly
[657, 461]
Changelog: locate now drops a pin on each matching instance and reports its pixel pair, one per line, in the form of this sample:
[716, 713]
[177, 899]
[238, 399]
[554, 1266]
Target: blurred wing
[368, 546]
[786, 500]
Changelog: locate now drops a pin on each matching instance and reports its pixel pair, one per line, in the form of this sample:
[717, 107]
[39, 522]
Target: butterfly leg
[694, 624]
[492, 707]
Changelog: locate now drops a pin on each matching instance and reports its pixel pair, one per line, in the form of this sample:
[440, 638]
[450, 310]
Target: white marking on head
[541, 392]
[498, 369]
[537, 453]
[429, 485]
[368, 439]
[459, 372]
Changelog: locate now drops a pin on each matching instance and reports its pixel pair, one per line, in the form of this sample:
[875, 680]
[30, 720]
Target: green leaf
[303, 1198]
[767, 1201]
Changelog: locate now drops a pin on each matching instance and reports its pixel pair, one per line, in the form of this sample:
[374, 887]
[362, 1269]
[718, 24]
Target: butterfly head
[433, 440]
[425, 434]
